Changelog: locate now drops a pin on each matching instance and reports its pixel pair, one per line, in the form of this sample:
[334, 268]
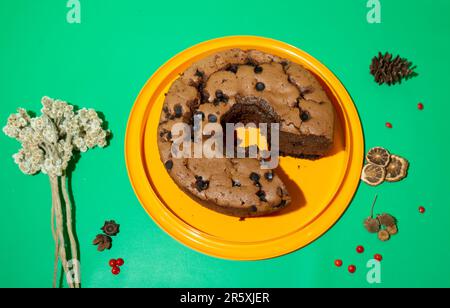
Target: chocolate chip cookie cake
[243, 86]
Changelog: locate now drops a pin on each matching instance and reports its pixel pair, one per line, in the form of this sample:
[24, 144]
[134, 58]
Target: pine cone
[103, 242]
[391, 71]
[110, 228]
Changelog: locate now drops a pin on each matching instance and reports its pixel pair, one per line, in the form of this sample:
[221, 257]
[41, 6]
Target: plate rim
[205, 243]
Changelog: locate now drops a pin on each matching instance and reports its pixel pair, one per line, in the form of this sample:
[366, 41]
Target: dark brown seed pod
[102, 242]
[386, 220]
[110, 228]
[372, 225]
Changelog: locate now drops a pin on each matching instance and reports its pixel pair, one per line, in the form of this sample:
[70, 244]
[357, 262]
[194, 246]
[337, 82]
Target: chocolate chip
[235, 183]
[254, 177]
[269, 176]
[258, 69]
[261, 195]
[200, 184]
[178, 111]
[232, 68]
[166, 133]
[304, 116]
[306, 90]
[253, 208]
[212, 118]
[168, 164]
[220, 97]
[219, 94]
[199, 113]
[260, 86]
[281, 204]
[199, 74]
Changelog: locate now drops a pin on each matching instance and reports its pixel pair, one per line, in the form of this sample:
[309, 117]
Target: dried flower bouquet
[49, 142]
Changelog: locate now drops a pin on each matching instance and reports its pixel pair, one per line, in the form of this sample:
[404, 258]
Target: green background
[103, 63]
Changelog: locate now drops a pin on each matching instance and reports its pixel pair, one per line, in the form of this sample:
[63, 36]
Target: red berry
[115, 270]
[360, 249]
[338, 263]
[112, 262]
[378, 257]
[388, 125]
[421, 209]
[120, 262]
[420, 106]
[352, 269]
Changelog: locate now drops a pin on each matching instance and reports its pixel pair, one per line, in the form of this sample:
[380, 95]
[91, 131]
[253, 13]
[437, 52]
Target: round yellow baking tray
[321, 190]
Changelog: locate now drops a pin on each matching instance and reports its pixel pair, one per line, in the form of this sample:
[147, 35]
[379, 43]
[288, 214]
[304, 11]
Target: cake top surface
[233, 80]
[288, 87]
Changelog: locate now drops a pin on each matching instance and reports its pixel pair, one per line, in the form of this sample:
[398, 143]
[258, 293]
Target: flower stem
[55, 238]
[373, 205]
[59, 225]
[70, 231]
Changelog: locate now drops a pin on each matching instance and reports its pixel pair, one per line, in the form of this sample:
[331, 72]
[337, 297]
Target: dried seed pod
[393, 230]
[110, 228]
[372, 225]
[103, 242]
[386, 220]
[383, 235]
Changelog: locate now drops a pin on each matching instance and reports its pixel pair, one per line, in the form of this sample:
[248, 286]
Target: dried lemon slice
[378, 156]
[397, 169]
[373, 174]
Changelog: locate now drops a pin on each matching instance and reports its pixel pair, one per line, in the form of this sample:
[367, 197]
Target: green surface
[103, 63]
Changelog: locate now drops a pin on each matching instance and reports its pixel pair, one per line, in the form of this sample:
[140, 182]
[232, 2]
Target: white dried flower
[48, 141]
[16, 122]
[29, 159]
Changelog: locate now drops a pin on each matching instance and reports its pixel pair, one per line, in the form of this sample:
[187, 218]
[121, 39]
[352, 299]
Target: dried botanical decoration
[386, 220]
[385, 225]
[49, 142]
[382, 166]
[397, 169]
[111, 228]
[384, 235]
[102, 242]
[372, 224]
[373, 174]
[389, 70]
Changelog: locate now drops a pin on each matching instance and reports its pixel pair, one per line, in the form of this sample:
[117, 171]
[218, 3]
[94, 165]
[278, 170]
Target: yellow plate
[321, 190]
